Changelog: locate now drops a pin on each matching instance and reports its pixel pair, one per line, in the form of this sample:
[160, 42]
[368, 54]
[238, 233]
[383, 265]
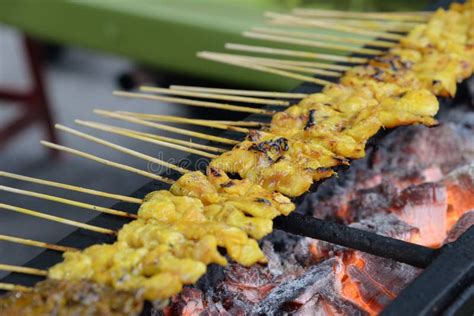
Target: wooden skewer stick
[383, 26]
[275, 63]
[393, 16]
[303, 42]
[295, 53]
[255, 93]
[240, 63]
[14, 287]
[166, 127]
[184, 120]
[293, 20]
[118, 197]
[106, 162]
[336, 69]
[205, 104]
[34, 243]
[215, 96]
[67, 202]
[121, 149]
[119, 131]
[203, 122]
[350, 40]
[56, 219]
[283, 66]
[174, 140]
[69, 187]
[24, 270]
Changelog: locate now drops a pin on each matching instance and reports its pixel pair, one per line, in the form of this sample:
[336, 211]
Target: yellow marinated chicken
[278, 164]
[238, 203]
[165, 207]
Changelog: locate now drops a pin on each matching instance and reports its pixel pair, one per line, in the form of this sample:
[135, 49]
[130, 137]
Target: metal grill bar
[374, 244]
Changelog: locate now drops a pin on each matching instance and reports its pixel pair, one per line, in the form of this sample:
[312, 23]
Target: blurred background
[59, 60]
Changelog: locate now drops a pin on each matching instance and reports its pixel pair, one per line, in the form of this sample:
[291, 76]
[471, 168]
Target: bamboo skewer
[241, 63]
[57, 219]
[69, 187]
[34, 243]
[350, 40]
[295, 53]
[255, 93]
[175, 141]
[384, 26]
[14, 287]
[121, 149]
[24, 270]
[197, 103]
[106, 162]
[215, 96]
[184, 120]
[335, 69]
[167, 128]
[303, 42]
[309, 70]
[293, 20]
[393, 16]
[275, 63]
[67, 202]
[119, 131]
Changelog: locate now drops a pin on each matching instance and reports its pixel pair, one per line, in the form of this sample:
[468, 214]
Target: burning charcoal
[370, 201]
[460, 188]
[466, 221]
[424, 206]
[419, 147]
[387, 225]
[188, 302]
[318, 276]
[373, 282]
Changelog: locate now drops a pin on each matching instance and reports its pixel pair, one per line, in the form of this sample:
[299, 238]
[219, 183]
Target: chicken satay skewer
[106, 162]
[14, 287]
[69, 187]
[197, 103]
[166, 127]
[311, 43]
[312, 35]
[121, 149]
[24, 270]
[57, 199]
[295, 53]
[255, 93]
[119, 131]
[253, 66]
[214, 96]
[35, 243]
[57, 219]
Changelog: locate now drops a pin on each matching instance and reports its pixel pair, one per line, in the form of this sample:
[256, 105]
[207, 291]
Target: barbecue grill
[445, 286]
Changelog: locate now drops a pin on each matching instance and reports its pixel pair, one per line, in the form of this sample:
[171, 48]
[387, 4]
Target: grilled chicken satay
[168, 246]
[238, 203]
[277, 163]
[53, 297]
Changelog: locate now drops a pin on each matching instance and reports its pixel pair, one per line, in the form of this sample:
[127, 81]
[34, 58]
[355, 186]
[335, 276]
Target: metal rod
[342, 235]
